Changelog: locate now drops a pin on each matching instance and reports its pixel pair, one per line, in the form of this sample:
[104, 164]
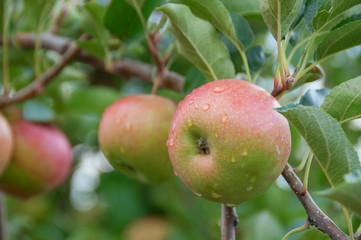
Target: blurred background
[97, 202]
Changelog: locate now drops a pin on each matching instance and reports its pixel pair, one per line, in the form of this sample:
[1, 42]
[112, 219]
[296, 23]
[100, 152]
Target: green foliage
[326, 139]
[288, 12]
[200, 44]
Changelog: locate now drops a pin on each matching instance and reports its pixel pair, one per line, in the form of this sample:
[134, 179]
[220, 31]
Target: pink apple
[41, 160]
[6, 143]
[227, 143]
[132, 135]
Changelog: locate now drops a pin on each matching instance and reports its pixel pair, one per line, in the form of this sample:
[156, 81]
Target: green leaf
[38, 111]
[326, 139]
[256, 58]
[344, 101]
[314, 74]
[342, 38]
[311, 8]
[331, 16]
[122, 20]
[244, 32]
[244, 7]
[348, 194]
[93, 21]
[95, 48]
[199, 42]
[314, 97]
[289, 10]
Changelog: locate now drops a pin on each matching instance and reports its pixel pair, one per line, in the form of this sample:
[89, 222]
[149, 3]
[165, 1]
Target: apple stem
[3, 232]
[229, 223]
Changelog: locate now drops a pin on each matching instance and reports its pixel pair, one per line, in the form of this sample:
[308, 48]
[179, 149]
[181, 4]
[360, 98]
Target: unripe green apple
[6, 143]
[40, 162]
[227, 143]
[132, 135]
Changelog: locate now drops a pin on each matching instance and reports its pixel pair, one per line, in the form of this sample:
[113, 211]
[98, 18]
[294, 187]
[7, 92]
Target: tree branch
[123, 67]
[315, 215]
[36, 87]
[3, 220]
[229, 223]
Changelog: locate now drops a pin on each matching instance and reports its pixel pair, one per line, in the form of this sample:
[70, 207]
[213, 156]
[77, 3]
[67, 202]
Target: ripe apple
[6, 143]
[227, 143]
[132, 135]
[41, 160]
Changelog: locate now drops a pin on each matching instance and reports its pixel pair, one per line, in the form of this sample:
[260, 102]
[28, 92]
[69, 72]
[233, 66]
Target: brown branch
[123, 67]
[229, 223]
[36, 87]
[316, 217]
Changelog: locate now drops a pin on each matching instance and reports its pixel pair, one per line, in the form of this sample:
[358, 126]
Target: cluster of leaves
[215, 39]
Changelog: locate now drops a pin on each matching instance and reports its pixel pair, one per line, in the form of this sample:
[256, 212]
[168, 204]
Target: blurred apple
[6, 143]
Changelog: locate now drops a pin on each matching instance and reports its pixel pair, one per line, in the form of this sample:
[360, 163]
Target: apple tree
[239, 117]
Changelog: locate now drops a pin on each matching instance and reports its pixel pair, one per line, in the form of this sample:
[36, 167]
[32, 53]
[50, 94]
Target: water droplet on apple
[233, 159]
[171, 142]
[197, 194]
[215, 195]
[190, 123]
[220, 89]
[278, 150]
[206, 107]
[190, 101]
[225, 118]
[173, 128]
[244, 152]
[196, 107]
[249, 188]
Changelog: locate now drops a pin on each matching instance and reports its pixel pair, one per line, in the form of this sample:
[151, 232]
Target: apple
[227, 143]
[132, 136]
[6, 143]
[41, 160]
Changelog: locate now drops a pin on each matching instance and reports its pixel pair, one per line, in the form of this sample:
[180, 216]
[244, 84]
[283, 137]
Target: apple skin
[41, 160]
[132, 136]
[227, 143]
[6, 143]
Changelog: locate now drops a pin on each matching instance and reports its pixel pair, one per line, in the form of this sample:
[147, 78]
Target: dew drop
[244, 152]
[190, 123]
[171, 142]
[196, 107]
[278, 150]
[173, 128]
[225, 118]
[220, 89]
[206, 107]
[215, 195]
[197, 194]
[249, 188]
[190, 101]
[233, 159]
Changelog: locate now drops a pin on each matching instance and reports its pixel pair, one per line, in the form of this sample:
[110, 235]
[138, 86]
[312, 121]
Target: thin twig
[123, 67]
[229, 223]
[35, 88]
[316, 217]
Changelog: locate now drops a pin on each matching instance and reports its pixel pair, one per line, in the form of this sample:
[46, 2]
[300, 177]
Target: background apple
[6, 142]
[41, 160]
[227, 143]
[132, 135]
